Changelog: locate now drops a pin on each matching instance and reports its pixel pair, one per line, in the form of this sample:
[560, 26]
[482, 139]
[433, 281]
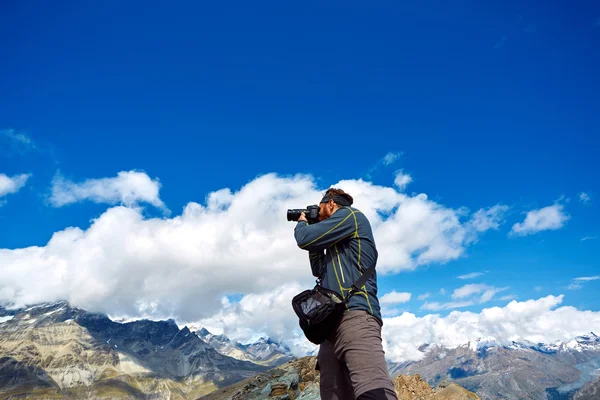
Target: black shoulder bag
[320, 310]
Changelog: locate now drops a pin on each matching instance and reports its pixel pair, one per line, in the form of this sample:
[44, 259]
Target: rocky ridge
[298, 380]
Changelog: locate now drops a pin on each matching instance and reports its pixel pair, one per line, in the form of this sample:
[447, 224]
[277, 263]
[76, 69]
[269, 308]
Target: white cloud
[436, 306]
[252, 317]
[442, 291]
[490, 293]
[238, 242]
[538, 288]
[588, 278]
[423, 296]
[487, 293]
[470, 276]
[390, 158]
[583, 239]
[402, 180]
[18, 141]
[389, 311]
[383, 162]
[490, 218]
[574, 286]
[547, 218]
[535, 320]
[577, 283]
[395, 298]
[468, 290]
[10, 185]
[128, 188]
[585, 198]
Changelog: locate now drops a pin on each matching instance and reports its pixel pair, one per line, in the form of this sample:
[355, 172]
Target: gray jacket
[340, 249]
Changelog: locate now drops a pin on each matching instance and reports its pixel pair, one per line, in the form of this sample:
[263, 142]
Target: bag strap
[360, 282]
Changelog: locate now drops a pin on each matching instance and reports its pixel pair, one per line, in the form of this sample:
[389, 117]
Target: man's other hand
[302, 218]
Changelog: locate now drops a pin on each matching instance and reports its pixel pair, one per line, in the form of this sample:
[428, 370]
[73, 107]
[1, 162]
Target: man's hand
[302, 218]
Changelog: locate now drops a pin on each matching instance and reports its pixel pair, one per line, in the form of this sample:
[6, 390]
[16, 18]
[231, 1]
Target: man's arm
[322, 235]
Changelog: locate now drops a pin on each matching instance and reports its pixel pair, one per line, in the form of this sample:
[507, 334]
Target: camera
[310, 212]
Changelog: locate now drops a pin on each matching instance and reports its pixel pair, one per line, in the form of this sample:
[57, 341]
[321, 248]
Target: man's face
[326, 210]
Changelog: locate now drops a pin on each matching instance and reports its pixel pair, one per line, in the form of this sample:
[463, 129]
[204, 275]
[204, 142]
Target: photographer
[341, 248]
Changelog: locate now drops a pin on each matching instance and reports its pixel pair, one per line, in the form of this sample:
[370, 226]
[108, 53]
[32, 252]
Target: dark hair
[332, 192]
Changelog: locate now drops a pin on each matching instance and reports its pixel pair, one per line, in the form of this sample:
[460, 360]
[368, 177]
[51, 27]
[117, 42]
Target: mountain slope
[591, 391]
[56, 349]
[264, 352]
[492, 370]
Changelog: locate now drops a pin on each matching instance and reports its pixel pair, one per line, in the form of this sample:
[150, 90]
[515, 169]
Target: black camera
[311, 213]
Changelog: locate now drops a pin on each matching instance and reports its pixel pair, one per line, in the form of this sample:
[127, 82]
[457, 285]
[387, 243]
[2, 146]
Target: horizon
[148, 156]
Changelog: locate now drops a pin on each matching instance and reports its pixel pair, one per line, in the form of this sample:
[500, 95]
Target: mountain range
[516, 370]
[263, 352]
[54, 350]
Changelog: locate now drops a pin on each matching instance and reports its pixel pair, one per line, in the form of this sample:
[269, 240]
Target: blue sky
[482, 104]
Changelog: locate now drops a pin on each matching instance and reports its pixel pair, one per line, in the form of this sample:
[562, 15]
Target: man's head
[332, 200]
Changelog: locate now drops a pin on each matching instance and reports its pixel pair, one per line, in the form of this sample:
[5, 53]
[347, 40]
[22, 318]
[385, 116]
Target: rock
[414, 388]
[278, 389]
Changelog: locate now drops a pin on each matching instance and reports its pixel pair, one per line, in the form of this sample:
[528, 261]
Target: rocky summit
[298, 380]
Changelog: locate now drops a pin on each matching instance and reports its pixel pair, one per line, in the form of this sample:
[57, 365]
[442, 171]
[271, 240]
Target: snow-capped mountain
[513, 370]
[264, 351]
[581, 343]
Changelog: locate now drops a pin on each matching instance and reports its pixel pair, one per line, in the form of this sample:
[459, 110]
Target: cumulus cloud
[547, 218]
[534, 320]
[259, 314]
[10, 185]
[585, 198]
[470, 276]
[423, 296]
[128, 264]
[402, 180]
[395, 298]
[128, 188]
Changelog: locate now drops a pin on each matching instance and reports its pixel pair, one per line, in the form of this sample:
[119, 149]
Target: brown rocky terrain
[298, 380]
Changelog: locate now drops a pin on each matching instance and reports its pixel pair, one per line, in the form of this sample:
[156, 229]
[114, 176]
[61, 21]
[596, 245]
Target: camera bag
[320, 309]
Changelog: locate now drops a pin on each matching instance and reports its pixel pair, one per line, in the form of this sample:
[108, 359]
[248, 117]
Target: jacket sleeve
[323, 234]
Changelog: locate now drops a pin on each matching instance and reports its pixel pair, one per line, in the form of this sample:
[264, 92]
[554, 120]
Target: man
[341, 247]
